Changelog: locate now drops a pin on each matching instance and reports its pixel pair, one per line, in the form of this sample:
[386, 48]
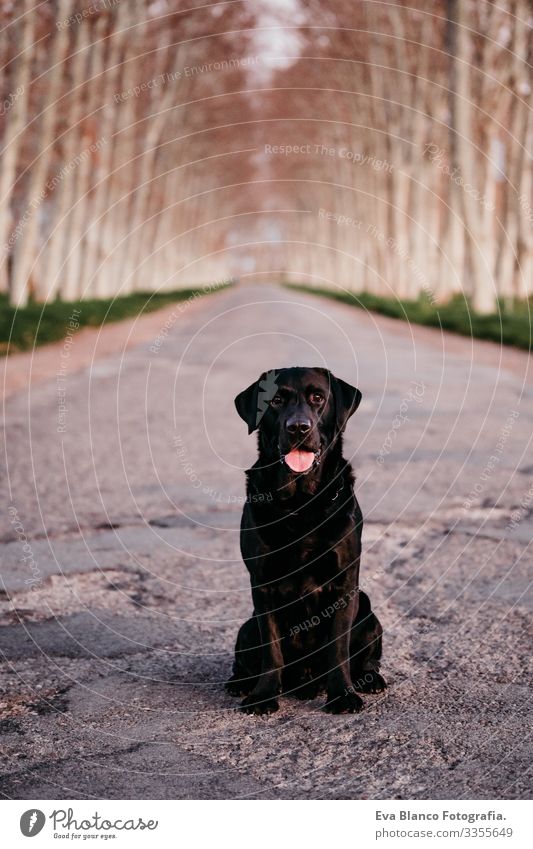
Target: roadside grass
[37, 323]
[513, 325]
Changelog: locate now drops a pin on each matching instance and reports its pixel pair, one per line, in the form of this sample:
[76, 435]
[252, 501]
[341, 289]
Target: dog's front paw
[259, 706]
[369, 682]
[347, 702]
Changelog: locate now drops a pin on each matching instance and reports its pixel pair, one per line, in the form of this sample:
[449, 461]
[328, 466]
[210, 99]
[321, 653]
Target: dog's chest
[301, 571]
[305, 611]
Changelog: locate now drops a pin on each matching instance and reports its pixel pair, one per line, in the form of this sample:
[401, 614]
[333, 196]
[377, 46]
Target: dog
[312, 628]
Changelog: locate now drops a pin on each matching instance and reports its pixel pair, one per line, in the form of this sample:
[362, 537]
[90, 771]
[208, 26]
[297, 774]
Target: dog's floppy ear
[252, 403]
[347, 399]
[246, 405]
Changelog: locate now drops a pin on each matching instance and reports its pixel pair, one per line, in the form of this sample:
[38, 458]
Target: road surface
[123, 587]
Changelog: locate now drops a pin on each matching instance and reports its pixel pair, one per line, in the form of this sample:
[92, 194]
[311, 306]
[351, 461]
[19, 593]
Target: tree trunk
[15, 124]
[27, 248]
[479, 241]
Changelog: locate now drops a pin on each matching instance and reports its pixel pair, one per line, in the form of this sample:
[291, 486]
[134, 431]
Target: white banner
[271, 824]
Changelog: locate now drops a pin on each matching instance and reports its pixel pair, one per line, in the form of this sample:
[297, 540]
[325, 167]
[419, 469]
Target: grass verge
[36, 324]
[509, 326]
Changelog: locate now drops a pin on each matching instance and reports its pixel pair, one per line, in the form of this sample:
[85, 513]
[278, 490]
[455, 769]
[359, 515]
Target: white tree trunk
[15, 124]
[27, 247]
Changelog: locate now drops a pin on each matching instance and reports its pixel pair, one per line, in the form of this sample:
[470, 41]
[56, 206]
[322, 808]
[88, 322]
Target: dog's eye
[316, 397]
[276, 401]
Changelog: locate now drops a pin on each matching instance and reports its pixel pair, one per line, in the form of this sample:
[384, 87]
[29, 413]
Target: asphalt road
[123, 587]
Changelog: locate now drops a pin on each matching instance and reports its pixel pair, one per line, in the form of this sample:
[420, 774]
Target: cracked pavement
[122, 586]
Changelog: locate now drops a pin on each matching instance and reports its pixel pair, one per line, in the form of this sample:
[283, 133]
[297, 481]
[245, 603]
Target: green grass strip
[512, 325]
[36, 324]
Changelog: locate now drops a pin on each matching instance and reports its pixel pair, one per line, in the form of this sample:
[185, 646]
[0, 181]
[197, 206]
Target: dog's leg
[341, 696]
[263, 698]
[365, 649]
[247, 663]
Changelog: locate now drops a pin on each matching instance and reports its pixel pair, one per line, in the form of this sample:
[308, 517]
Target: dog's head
[299, 412]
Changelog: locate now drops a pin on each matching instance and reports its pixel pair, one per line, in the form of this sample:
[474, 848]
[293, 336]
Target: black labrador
[312, 628]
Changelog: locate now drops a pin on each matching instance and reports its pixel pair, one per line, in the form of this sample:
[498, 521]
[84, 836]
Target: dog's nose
[298, 425]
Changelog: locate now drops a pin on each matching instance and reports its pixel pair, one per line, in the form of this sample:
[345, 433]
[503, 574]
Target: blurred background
[380, 148]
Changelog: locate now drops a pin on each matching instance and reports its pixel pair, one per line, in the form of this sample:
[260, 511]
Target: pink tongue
[299, 461]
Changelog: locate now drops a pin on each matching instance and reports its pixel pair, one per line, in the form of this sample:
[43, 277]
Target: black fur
[312, 628]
